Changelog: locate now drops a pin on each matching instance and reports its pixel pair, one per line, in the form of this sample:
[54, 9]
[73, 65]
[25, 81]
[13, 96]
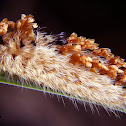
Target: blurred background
[103, 21]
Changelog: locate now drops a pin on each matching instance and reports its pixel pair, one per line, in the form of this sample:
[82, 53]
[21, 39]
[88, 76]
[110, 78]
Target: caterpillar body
[76, 67]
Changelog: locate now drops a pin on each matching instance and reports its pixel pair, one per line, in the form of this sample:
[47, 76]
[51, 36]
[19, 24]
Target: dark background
[103, 21]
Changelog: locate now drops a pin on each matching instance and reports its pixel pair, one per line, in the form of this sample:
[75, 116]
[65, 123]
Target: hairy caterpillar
[76, 67]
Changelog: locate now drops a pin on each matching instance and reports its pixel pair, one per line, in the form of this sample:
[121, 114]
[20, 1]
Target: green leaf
[5, 78]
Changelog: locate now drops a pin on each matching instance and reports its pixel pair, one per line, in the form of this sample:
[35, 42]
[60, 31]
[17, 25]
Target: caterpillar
[72, 66]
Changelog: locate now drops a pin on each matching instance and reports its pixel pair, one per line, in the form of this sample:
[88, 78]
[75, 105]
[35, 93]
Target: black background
[103, 21]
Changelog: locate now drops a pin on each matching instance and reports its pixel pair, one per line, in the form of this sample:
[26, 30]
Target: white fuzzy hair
[47, 67]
